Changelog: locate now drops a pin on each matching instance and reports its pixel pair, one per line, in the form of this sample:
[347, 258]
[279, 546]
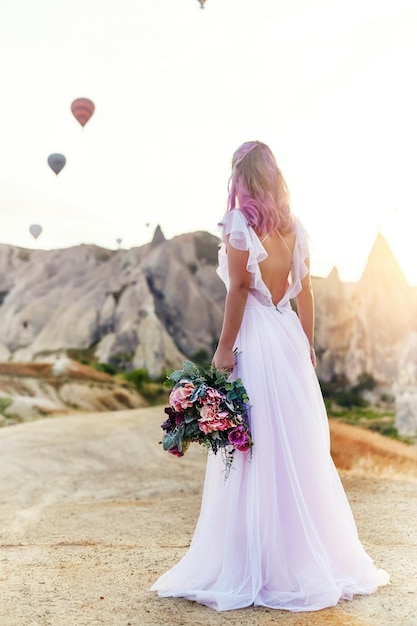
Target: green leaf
[174, 439]
[168, 441]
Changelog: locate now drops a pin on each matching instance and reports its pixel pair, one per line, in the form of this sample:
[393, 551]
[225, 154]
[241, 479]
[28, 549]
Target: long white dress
[279, 532]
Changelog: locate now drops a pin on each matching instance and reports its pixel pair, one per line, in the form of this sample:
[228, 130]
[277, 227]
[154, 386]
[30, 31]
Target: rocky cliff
[144, 307]
[151, 306]
[371, 326]
[367, 326]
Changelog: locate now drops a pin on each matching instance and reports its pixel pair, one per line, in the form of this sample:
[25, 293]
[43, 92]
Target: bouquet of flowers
[208, 408]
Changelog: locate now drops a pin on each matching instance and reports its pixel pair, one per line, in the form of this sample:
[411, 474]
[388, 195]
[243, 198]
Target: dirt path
[92, 511]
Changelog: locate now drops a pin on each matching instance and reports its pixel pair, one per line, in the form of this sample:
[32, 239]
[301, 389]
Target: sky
[329, 85]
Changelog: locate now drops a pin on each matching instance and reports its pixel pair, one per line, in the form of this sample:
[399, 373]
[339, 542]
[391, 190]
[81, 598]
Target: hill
[33, 390]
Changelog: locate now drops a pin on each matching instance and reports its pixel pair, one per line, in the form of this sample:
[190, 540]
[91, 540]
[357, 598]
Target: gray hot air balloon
[56, 162]
[35, 230]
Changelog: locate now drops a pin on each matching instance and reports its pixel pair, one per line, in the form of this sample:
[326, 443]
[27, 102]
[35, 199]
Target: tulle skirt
[279, 532]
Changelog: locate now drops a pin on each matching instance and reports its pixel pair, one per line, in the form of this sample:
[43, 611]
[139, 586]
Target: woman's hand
[224, 359]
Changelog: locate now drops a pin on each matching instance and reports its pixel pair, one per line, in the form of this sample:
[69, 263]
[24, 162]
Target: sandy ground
[92, 511]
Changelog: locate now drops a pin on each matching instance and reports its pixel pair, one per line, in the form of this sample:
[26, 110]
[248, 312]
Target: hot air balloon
[35, 230]
[82, 109]
[118, 241]
[56, 162]
[201, 3]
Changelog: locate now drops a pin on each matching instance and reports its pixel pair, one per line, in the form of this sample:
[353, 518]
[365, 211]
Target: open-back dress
[279, 532]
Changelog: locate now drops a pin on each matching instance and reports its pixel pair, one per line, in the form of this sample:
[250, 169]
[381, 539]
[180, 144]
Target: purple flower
[174, 419]
[166, 426]
[175, 451]
[239, 438]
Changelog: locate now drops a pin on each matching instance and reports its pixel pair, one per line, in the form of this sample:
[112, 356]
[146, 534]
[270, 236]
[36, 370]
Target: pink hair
[260, 189]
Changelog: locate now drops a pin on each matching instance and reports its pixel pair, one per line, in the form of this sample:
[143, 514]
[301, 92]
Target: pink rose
[212, 396]
[220, 424]
[210, 403]
[208, 412]
[179, 398]
[211, 421]
[205, 427]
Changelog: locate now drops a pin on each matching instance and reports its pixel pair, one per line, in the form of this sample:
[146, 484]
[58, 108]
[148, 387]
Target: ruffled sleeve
[303, 240]
[242, 237]
[299, 269]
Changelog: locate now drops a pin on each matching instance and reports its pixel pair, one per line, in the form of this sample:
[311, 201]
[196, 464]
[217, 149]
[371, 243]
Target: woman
[279, 531]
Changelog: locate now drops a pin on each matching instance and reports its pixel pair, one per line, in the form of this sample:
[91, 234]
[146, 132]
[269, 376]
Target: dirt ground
[92, 511]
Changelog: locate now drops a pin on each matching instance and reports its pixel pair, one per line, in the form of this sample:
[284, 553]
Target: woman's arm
[235, 303]
[305, 308]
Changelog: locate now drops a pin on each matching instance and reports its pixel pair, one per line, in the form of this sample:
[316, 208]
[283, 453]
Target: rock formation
[145, 307]
[32, 390]
[365, 327]
[371, 327]
[151, 306]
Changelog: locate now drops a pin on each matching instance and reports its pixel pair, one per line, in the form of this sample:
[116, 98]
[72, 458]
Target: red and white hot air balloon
[82, 109]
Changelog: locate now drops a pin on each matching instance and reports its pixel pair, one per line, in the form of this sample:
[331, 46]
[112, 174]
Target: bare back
[276, 267]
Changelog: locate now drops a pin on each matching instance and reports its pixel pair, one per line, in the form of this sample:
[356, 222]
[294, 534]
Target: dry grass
[355, 448]
[75, 370]
[35, 370]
